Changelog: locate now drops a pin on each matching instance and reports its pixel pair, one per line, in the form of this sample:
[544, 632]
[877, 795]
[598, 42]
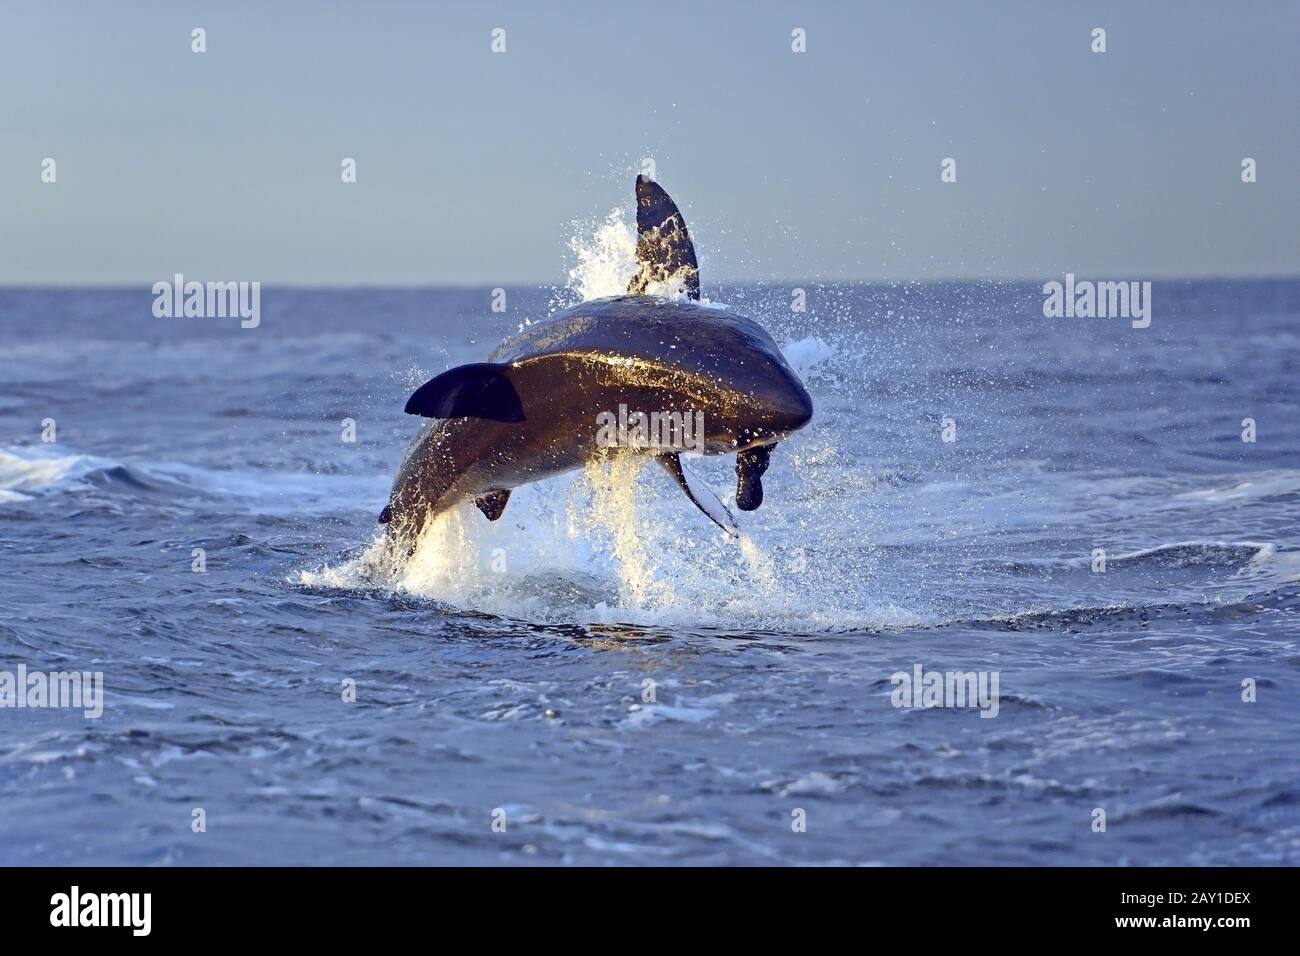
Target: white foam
[1263, 485]
[616, 543]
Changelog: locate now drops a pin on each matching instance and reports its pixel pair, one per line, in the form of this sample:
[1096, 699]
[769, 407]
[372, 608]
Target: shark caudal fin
[664, 252]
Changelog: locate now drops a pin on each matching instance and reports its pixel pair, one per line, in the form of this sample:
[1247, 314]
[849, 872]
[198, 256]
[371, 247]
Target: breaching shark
[535, 409]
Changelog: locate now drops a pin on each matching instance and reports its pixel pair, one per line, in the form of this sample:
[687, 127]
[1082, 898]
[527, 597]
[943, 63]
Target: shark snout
[793, 409]
[775, 412]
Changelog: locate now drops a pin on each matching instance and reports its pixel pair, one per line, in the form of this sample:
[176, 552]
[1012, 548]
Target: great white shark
[534, 409]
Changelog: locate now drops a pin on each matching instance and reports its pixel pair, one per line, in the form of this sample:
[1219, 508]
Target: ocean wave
[1073, 619]
[29, 472]
[1265, 486]
[1188, 554]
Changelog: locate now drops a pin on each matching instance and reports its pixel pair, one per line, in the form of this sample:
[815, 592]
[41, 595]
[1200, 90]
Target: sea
[1097, 525]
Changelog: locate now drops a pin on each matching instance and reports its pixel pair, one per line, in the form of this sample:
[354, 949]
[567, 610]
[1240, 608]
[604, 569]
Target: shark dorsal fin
[663, 246]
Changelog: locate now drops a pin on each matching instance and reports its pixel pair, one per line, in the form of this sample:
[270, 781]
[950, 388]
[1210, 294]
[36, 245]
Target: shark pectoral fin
[386, 515]
[493, 503]
[663, 246]
[481, 390]
[700, 493]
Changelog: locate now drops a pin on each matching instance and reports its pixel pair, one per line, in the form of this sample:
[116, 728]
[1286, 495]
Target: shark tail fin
[664, 254]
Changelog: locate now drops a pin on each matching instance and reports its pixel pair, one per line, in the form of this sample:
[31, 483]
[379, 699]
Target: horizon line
[774, 283]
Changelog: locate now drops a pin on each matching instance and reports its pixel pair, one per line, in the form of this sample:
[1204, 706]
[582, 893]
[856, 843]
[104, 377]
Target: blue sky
[473, 166]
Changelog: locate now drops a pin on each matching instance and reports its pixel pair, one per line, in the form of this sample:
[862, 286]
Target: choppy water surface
[879, 547]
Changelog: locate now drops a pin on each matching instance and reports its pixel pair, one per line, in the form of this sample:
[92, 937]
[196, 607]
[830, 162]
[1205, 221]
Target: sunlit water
[879, 546]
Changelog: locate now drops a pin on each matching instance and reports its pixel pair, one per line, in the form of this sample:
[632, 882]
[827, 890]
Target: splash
[606, 257]
[808, 355]
[618, 543]
[760, 564]
[603, 505]
[456, 560]
[605, 262]
[615, 543]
